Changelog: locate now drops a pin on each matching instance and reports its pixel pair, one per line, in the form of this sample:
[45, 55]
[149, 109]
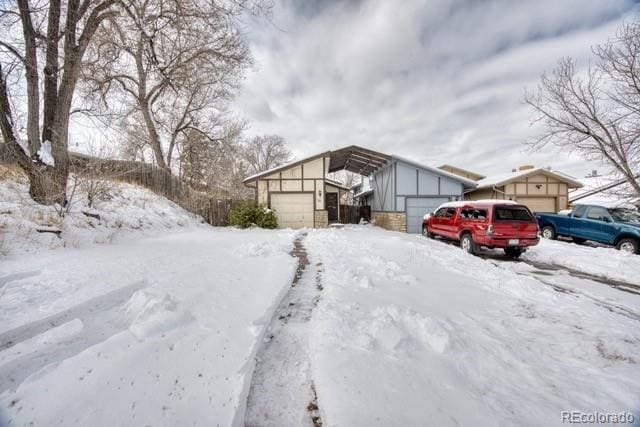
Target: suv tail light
[490, 230]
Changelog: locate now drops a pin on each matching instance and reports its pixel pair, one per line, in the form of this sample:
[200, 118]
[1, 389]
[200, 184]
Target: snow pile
[598, 261]
[124, 210]
[411, 331]
[45, 154]
[156, 331]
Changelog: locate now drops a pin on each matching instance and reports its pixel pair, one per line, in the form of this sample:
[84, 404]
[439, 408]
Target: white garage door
[539, 204]
[417, 207]
[293, 210]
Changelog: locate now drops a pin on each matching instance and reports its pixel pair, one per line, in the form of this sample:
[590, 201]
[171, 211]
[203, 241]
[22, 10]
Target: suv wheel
[425, 231]
[513, 252]
[548, 232]
[628, 245]
[467, 244]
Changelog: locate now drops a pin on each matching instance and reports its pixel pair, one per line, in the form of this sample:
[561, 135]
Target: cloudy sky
[440, 81]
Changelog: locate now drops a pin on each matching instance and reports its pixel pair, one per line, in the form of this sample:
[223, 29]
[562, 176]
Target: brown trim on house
[285, 167]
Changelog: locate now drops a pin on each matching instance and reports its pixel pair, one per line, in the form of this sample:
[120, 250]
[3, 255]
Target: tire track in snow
[282, 392]
[78, 327]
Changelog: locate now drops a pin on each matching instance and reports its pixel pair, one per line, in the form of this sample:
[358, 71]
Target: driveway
[216, 326]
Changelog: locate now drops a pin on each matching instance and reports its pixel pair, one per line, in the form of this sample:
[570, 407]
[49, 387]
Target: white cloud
[441, 81]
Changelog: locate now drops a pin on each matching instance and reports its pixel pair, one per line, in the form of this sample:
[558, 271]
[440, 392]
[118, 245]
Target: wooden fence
[214, 209]
[350, 214]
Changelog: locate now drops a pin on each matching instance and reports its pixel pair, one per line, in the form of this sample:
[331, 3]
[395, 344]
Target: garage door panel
[417, 207]
[293, 210]
[539, 204]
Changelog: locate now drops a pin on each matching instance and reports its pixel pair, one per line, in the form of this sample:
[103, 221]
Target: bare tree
[215, 166]
[173, 64]
[596, 113]
[43, 43]
[266, 152]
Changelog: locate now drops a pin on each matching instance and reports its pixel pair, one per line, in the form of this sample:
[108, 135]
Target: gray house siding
[413, 190]
[382, 184]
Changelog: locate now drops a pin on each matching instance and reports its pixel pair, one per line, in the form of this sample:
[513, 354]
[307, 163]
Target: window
[512, 214]
[578, 212]
[625, 215]
[471, 213]
[450, 212]
[440, 212]
[599, 214]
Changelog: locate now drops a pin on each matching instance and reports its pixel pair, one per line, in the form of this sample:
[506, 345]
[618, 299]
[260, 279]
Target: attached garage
[539, 204]
[416, 209]
[293, 210]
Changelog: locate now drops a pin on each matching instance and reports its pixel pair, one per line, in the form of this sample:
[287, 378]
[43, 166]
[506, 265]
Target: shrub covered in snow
[249, 214]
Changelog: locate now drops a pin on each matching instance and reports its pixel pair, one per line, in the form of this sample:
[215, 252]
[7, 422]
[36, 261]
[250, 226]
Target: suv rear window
[511, 214]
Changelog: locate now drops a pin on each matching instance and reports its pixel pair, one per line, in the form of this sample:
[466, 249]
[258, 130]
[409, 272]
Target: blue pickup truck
[617, 227]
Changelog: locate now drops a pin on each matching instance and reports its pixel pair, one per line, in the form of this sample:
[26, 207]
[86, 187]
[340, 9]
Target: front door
[332, 206]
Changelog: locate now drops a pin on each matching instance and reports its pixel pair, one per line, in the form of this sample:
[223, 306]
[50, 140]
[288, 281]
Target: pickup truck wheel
[467, 244]
[628, 245]
[513, 252]
[548, 232]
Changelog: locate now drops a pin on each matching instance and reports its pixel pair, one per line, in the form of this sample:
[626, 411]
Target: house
[403, 191]
[399, 191]
[301, 193]
[540, 189]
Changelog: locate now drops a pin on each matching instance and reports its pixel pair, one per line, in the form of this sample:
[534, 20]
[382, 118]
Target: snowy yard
[384, 328]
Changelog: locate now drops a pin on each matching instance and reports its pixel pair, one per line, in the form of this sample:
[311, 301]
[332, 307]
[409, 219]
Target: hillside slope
[120, 210]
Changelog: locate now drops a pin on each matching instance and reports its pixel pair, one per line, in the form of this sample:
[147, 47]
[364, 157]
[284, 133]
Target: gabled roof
[283, 167]
[466, 181]
[505, 178]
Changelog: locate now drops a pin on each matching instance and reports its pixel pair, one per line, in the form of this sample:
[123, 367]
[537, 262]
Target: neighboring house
[403, 191]
[300, 192]
[540, 189]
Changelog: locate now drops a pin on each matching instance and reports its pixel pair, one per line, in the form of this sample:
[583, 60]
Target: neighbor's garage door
[417, 207]
[539, 204]
[293, 210]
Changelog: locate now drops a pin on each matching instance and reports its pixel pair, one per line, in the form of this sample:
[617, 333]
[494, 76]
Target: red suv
[490, 223]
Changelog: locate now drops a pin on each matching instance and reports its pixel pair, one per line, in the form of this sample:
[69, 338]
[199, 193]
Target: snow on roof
[603, 190]
[461, 203]
[503, 178]
[336, 183]
[363, 193]
[466, 181]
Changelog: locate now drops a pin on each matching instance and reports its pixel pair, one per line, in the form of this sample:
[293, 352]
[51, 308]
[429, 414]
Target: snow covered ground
[121, 211]
[415, 332]
[158, 331]
[406, 331]
[598, 261]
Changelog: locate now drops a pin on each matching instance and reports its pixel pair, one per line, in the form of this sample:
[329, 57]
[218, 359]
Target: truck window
[598, 214]
[511, 214]
[450, 212]
[579, 211]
